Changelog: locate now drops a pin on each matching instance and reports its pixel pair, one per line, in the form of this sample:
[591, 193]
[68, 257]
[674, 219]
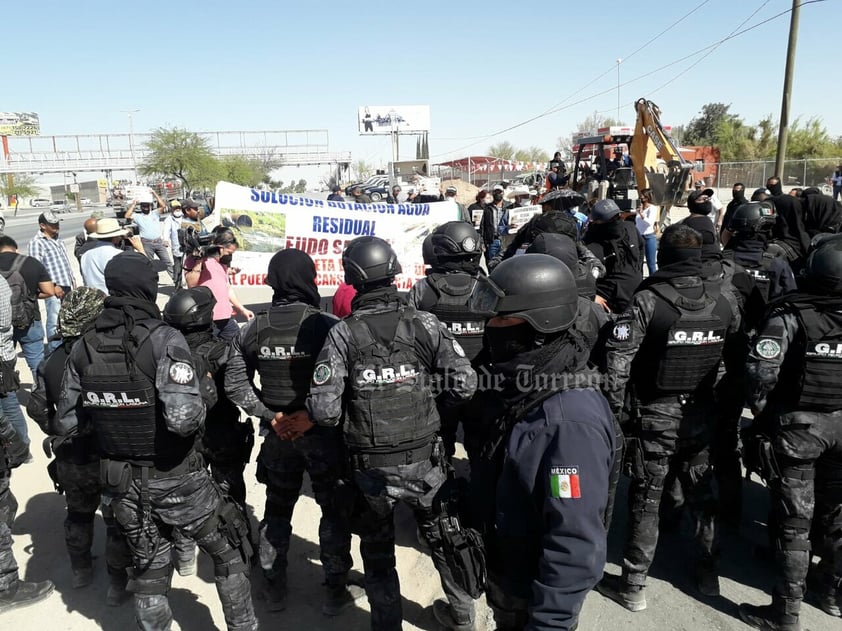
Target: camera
[193, 243]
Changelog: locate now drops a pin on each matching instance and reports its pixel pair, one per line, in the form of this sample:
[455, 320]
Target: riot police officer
[375, 369]
[453, 253]
[667, 347]
[76, 466]
[226, 441]
[132, 383]
[759, 273]
[545, 536]
[793, 375]
[281, 345]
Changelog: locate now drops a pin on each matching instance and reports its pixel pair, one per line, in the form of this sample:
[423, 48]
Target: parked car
[2, 223]
[39, 202]
[86, 201]
[59, 206]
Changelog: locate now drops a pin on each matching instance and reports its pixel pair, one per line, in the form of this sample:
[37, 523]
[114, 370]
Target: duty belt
[192, 462]
[410, 456]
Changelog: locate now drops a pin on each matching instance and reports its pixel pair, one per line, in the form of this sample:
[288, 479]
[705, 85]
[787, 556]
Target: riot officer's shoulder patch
[621, 331]
[181, 373]
[767, 348]
[564, 482]
[321, 373]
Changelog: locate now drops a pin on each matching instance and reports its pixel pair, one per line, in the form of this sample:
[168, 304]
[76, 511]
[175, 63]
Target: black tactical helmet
[752, 217]
[427, 252]
[456, 240]
[368, 260]
[823, 270]
[190, 309]
[536, 287]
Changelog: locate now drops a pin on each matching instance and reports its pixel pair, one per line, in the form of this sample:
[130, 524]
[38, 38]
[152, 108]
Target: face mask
[497, 196]
[525, 202]
[704, 208]
[177, 214]
[226, 260]
[507, 342]
[487, 200]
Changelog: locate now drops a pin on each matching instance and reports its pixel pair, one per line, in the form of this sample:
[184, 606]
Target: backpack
[24, 307]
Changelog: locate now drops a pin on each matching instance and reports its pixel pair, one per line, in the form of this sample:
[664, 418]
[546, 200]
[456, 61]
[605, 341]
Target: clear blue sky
[481, 66]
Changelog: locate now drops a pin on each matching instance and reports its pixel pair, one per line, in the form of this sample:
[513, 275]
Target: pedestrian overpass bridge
[124, 152]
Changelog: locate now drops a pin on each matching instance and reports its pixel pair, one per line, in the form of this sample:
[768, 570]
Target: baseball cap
[49, 217]
[450, 190]
[189, 203]
[498, 187]
[175, 204]
[605, 210]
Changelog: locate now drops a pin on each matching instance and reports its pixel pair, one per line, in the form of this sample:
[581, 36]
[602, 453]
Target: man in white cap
[450, 196]
[109, 235]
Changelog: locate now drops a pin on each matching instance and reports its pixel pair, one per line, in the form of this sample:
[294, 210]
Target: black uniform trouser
[808, 449]
[727, 464]
[8, 510]
[189, 503]
[82, 488]
[280, 466]
[382, 488]
[671, 434]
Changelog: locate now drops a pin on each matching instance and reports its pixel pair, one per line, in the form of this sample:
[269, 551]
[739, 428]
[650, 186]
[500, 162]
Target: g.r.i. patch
[321, 374]
[767, 349]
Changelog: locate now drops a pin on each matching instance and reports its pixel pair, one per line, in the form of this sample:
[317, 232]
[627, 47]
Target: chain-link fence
[809, 172]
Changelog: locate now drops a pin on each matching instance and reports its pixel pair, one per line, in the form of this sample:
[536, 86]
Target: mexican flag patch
[564, 482]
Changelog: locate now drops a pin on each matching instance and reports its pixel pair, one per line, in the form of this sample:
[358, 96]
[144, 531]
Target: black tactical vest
[391, 408]
[683, 344]
[286, 355]
[448, 299]
[212, 355]
[119, 395]
[760, 274]
[821, 384]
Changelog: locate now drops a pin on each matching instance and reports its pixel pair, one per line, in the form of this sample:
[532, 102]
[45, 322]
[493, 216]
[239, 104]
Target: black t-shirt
[32, 270]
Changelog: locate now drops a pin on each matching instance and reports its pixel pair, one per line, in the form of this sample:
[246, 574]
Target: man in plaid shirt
[50, 251]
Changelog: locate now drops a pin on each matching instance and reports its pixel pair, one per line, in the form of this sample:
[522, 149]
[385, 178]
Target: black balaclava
[131, 275]
[292, 276]
[776, 188]
[710, 244]
[497, 196]
[699, 208]
[507, 342]
[559, 246]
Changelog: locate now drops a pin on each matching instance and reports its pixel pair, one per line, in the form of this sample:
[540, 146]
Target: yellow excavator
[645, 157]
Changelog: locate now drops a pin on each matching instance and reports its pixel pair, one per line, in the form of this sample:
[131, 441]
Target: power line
[638, 78]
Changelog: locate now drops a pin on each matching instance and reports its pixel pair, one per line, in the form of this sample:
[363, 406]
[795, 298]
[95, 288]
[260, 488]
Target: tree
[301, 187]
[243, 171]
[362, 169]
[532, 154]
[17, 186]
[702, 129]
[589, 125]
[181, 154]
[503, 150]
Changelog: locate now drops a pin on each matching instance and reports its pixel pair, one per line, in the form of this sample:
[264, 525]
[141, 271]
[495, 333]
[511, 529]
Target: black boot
[22, 594]
[769, 618]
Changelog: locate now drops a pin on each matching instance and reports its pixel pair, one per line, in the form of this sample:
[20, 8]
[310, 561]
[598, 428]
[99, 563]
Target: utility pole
[783, 130]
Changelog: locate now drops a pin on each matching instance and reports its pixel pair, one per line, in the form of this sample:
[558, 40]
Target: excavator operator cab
[602, 167]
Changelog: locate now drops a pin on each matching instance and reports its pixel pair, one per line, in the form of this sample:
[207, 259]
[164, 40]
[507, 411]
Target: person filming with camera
[209, 264]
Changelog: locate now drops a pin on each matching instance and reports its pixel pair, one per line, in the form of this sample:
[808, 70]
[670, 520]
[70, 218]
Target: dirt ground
[673, 603]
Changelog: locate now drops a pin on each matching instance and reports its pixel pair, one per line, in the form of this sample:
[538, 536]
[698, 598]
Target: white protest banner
[520, 215]
[265, 222]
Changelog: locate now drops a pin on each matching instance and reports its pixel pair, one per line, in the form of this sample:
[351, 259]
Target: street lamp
[619, 61]
[131, 140]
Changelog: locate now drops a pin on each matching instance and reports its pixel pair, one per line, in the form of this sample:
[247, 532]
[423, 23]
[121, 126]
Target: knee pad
[75, 517]
[150, 582]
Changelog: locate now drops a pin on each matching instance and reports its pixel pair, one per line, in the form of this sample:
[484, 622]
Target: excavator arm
[667, 176]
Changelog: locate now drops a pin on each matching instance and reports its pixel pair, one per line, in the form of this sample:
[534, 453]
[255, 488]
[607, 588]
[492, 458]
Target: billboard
[385, 119]
[19, 124]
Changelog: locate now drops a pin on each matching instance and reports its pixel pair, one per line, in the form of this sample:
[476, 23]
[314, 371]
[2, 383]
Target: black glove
[16, 450]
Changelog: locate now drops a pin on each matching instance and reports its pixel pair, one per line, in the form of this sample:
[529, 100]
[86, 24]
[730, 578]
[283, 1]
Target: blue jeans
[31, 342]
[492, 250]
[11, 410]
[53, 305]
[650, 244]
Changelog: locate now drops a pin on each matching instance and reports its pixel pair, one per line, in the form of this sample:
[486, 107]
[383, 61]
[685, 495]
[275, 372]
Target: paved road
[24, 226]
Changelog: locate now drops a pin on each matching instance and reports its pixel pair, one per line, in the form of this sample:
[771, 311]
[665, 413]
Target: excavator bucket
[657, 163]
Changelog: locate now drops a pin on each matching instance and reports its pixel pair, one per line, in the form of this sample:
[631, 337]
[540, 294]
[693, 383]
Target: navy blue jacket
[550, 503]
